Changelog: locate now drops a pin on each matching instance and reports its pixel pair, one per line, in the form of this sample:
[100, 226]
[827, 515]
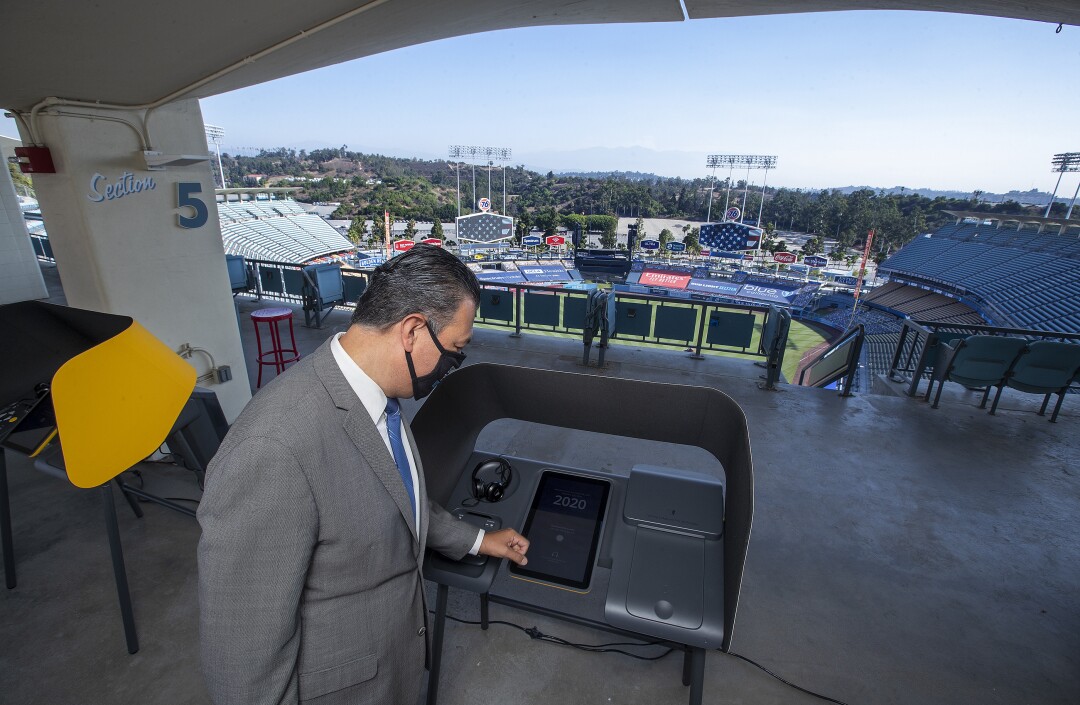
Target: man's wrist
[475, 550]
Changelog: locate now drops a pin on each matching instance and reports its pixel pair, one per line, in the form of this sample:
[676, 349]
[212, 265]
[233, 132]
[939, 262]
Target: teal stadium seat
[1047, 368]
[977, 362]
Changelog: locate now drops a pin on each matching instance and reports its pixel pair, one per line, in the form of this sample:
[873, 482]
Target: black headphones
[491, 491]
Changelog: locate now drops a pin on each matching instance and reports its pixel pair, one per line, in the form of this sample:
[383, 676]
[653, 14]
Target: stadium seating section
[1024, 278]
[923, 305]
[279, 231]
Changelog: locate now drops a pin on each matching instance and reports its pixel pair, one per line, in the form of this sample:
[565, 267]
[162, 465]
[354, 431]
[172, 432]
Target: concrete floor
[900, 554]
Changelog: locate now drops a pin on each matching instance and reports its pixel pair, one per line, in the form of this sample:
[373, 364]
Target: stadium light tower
[750, 161]
[711, 162]
[499, 154]
[456, 152]
[216, 134]
[1061, 163]
[490, 155]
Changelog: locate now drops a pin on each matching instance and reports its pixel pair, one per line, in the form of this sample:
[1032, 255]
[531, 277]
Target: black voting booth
[104, 389]
[672, 543]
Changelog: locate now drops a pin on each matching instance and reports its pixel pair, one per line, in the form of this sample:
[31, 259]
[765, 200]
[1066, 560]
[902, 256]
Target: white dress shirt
[373, 398]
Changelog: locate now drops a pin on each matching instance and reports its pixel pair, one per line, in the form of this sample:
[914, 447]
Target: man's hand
[505, 543]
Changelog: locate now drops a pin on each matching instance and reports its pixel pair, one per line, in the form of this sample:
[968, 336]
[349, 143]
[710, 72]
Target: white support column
[114, 229]
[20, 273]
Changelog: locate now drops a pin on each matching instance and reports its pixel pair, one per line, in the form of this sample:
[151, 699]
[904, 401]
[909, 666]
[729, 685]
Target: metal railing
[915, 351]
[839, 363]
[697, 327]
[42, 248]
[693, 326]
[284, 281]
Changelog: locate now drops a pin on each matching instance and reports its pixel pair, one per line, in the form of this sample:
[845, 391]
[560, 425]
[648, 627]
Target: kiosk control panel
[644, 551]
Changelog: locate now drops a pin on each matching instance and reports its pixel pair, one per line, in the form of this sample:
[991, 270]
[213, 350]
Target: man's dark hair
[426, 280]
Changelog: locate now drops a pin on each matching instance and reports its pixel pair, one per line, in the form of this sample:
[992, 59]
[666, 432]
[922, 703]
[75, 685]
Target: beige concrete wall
[127, 254]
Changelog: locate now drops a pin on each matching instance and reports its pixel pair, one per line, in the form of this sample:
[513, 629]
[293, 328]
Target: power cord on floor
[826, 698]
[535, 633]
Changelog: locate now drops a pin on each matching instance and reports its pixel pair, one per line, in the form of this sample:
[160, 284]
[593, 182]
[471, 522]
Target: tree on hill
[693, 244]
[358, 231]
[22, 181]
[523, 226]
[548, 221]
[665, 238]
[813, 245]
[437, 230]
[378, 230]
[608, 226]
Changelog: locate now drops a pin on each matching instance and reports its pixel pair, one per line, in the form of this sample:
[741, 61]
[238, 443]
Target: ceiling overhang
[135, 53]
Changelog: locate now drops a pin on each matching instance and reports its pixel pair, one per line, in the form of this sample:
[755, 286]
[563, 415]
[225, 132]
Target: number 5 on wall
[186, 199]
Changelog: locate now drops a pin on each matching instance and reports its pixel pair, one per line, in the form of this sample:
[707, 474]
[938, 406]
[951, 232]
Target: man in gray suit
[315, 517]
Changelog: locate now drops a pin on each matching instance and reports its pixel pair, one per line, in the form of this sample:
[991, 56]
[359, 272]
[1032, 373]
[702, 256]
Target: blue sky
[879, 98]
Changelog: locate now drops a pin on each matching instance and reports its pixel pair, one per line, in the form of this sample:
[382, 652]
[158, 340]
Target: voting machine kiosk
[654, 553]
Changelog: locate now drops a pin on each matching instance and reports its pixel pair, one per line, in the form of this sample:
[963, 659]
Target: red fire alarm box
[35, 160]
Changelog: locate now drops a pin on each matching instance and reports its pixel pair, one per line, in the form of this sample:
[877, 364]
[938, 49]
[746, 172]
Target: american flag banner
[485, 227]
[729, 236]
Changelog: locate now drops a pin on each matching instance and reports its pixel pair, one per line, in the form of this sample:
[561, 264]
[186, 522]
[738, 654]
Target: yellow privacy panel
[116, 402]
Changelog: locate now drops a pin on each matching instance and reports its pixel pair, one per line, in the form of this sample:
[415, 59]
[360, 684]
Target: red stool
[276, 355]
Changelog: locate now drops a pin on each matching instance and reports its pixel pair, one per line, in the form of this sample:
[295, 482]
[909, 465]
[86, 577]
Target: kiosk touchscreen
[563, 527]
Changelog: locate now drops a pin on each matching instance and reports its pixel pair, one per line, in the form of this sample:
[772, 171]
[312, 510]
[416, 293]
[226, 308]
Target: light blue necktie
[393, 430]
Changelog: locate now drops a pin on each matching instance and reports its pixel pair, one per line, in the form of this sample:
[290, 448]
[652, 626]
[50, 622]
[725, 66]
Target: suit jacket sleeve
[259, 528]
[448, 535]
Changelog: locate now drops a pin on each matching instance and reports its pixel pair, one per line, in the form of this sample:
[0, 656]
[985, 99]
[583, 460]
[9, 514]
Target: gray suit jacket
[309, 562]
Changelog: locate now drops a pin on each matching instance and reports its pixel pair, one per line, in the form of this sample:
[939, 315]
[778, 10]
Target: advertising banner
[403, 245]
[649, 244]
[531, 240]
[849, 281]
[816, 261]
[710, 286]
[544, 273]
[784, 257]
[676, 246]
[652, 277]
[496, 275]
[555, 240]
[773, 294]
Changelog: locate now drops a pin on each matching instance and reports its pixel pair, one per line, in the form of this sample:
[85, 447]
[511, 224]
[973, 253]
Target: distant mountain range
[1034, 197]
[576, 162]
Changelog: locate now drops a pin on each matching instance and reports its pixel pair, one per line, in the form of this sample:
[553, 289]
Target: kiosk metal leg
[132, 502]
[687, 665]
[484, 611]
[697, 674]
[5, 526]
[119, 572]
[437, 631]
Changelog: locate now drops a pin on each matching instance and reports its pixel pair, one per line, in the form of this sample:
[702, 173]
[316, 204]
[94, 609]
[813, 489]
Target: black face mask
[448, 362]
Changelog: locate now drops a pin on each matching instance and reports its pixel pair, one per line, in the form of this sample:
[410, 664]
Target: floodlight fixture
[474, 153]
[1062, 163]
[217, 135]
[1066, 161]
[750, 161]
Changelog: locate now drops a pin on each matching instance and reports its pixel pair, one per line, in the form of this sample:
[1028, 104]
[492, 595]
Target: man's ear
[411, 326]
